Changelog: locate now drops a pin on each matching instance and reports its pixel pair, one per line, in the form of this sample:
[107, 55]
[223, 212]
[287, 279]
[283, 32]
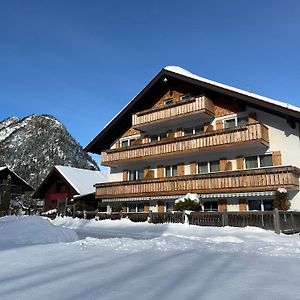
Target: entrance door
[161, 206]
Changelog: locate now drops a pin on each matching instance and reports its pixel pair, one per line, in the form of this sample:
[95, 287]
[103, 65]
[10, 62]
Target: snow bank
[29, 230]
[124, 235]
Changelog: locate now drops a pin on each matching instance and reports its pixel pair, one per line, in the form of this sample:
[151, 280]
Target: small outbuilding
[63, 183]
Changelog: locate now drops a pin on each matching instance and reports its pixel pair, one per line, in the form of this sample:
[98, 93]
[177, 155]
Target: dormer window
[168, 101]
[185, 97]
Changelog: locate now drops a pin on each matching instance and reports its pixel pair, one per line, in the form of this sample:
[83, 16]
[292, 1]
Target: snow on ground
[124, 260]
[22, 231]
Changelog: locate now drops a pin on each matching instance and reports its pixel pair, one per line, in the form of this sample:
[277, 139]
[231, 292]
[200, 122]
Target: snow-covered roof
[16, 175]
[81, 180]
[183, 72]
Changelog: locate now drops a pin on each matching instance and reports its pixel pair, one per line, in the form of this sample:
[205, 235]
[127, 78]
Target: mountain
[33, 145]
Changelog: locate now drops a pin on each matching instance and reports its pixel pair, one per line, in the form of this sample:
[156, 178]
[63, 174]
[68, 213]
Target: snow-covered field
[80, 259]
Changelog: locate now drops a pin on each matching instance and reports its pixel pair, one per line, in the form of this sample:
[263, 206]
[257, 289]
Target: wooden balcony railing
[176, 110]
[206, 141]
[263, 179]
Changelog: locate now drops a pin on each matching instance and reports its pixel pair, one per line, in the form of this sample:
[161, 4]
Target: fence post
[276, 221]
[293, 222]
[183, 217]
[225, 218]
[150, 216]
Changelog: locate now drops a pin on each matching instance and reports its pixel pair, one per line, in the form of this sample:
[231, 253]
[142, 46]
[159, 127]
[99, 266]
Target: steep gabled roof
[81, 180]
[177, 75]
[19, 179]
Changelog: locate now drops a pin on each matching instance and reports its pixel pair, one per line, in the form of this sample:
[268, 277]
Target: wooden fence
[279, 221]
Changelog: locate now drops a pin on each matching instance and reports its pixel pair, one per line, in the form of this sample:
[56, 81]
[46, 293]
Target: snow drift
[23, 230]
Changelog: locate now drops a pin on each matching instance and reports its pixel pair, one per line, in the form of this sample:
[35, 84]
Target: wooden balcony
[195, 107]
[243, 136]
[263, 179]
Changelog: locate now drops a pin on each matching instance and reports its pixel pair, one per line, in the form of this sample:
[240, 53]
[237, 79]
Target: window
[254, 205]
[260, 161]
[242, 121]
[162, 136]
[171, 171]
[131, 142]
[131, 207]
[169, 206]
[124, 143]
[210, 166]
[230, 123]
[251, 162]
[211, 206]
[266, 160]
[135, 174]
[199, 128]
[168, 101]
[188, 131]
[154, 138]
[185, 97]
[214, 166]
[237, 121]
[263, 205]
[140, 207]
[203, 167]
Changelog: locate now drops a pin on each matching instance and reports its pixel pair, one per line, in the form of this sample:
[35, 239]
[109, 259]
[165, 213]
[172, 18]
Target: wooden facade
[207, 141]
[182, 109]
[232, 181]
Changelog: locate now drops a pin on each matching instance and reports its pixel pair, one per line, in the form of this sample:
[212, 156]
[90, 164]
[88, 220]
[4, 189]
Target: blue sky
[82, 61]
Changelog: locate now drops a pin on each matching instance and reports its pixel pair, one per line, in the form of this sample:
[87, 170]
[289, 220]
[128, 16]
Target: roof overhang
[158, 85]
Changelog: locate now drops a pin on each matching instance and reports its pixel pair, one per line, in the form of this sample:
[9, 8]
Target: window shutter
[208, 128]
[118, 144]
[160, 171]
[146, 171]
[146, 207]
[252, 118]
[223, 163]
[170, 135]
[180, 169]
[219, 124]
[161, 206]
[124, 207]
[222, 205]
[276, 155]
[193, 167]
[228, 166]
[146, 139]
[240, 162]
[243, 204]
[125, 175]
[178, 132]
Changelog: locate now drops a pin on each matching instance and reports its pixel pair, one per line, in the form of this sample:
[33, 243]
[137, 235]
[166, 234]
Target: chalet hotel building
[186, 134]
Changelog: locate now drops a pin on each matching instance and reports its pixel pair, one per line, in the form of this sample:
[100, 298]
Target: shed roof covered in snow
[172, 76]
[82, 181]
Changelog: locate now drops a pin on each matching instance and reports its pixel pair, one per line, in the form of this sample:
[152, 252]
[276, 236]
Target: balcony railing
[181, 109]
[264, 179]
[219, 139]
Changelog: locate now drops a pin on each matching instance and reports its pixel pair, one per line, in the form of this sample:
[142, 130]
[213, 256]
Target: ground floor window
[169, 206]
[136, 207]
[261, 205]
[211, 206]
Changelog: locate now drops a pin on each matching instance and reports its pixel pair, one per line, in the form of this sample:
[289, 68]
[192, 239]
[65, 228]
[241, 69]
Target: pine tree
[281, 200]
